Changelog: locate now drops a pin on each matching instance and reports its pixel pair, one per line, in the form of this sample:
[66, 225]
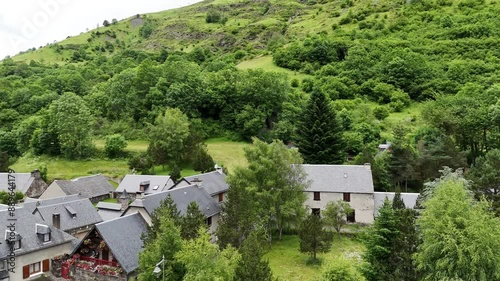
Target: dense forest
[371, 60]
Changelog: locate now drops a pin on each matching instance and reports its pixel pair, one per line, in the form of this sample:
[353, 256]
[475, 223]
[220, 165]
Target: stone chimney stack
[123, 199]
[36, 174]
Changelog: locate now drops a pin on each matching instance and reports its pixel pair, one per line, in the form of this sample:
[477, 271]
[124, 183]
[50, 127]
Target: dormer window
[71, 211]
[43, 232]
[13, 239]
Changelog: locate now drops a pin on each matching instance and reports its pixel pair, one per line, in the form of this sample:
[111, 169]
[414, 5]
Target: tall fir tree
[405, 243]
[238, 217]
[319, 133]
[166, 244]
[251, 266]
[192, 221]
[167, 208]
[379, 245]
[313, 237]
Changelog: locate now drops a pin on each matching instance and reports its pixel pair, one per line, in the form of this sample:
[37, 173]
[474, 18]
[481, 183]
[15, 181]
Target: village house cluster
[66, 230]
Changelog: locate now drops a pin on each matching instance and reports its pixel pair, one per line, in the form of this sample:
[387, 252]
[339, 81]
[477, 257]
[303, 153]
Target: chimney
[36, 174]
[219, 169]
[56, 220]
[139, 195]
[123, 199]
[367, 166]
[143, 186]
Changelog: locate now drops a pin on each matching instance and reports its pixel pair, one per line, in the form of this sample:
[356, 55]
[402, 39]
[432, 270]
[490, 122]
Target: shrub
[380, 112]
[114, 146]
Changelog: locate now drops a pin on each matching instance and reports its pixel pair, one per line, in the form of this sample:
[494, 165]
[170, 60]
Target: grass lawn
[230, 154]
[288, 263]
[224, 152]
[60, 168]
[266, 63]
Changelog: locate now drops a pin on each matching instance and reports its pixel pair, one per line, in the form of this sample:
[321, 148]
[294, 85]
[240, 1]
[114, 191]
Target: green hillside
[421, 74]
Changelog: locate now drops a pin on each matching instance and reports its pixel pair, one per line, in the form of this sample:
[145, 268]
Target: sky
[25, 24]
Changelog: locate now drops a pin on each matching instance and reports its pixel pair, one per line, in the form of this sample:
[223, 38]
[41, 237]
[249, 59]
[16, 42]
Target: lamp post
[157, 269]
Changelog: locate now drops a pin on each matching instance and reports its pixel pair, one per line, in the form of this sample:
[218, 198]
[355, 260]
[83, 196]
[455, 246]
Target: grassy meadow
[224, 152]
[288, 263]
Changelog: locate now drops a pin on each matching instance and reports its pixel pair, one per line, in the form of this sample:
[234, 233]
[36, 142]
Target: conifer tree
[379, 245]
[192, 221]
[313, 237]
[404, 244]
[167, 208]
[319, 133]
[238, 215]
[251, 266]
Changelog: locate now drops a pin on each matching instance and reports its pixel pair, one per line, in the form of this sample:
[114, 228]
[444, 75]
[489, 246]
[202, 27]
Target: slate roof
[23, 181]
[124, 248]
[213, 182]
[109, 206]
[131, 183]
[89, 187]
[107, 215]
[31, 204]
[339, 178]
[410, 199]
[109, 211]
[182, 196]
[26, 226]
[85, 213]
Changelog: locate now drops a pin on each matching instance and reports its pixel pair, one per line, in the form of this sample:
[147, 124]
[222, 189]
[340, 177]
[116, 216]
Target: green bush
[381, 112]
[115, 144]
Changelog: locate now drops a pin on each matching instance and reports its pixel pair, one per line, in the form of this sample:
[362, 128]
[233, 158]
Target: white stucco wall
[363, 204]
[38, 256]
[53, 191]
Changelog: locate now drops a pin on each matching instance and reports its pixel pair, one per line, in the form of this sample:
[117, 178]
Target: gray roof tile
[85, 213]
[213, 182]
[157, 184]
[123, 237]
[89, 187]
[26, 226]
[339, 178]
[182, 196]
[23, 181]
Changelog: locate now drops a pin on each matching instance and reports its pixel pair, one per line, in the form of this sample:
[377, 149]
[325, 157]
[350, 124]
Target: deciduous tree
[204, 261]
[70, 119]
[168, 136]
[460, 236]
[335, 214]
[277, 180]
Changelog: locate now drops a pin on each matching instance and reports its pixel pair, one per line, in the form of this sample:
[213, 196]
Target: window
[347, 197]
[317, 196]
[316, 211]
[2, 265]
[351, 217]
[35, 268]
[209, 221]
[221, 197]
[46, 237]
